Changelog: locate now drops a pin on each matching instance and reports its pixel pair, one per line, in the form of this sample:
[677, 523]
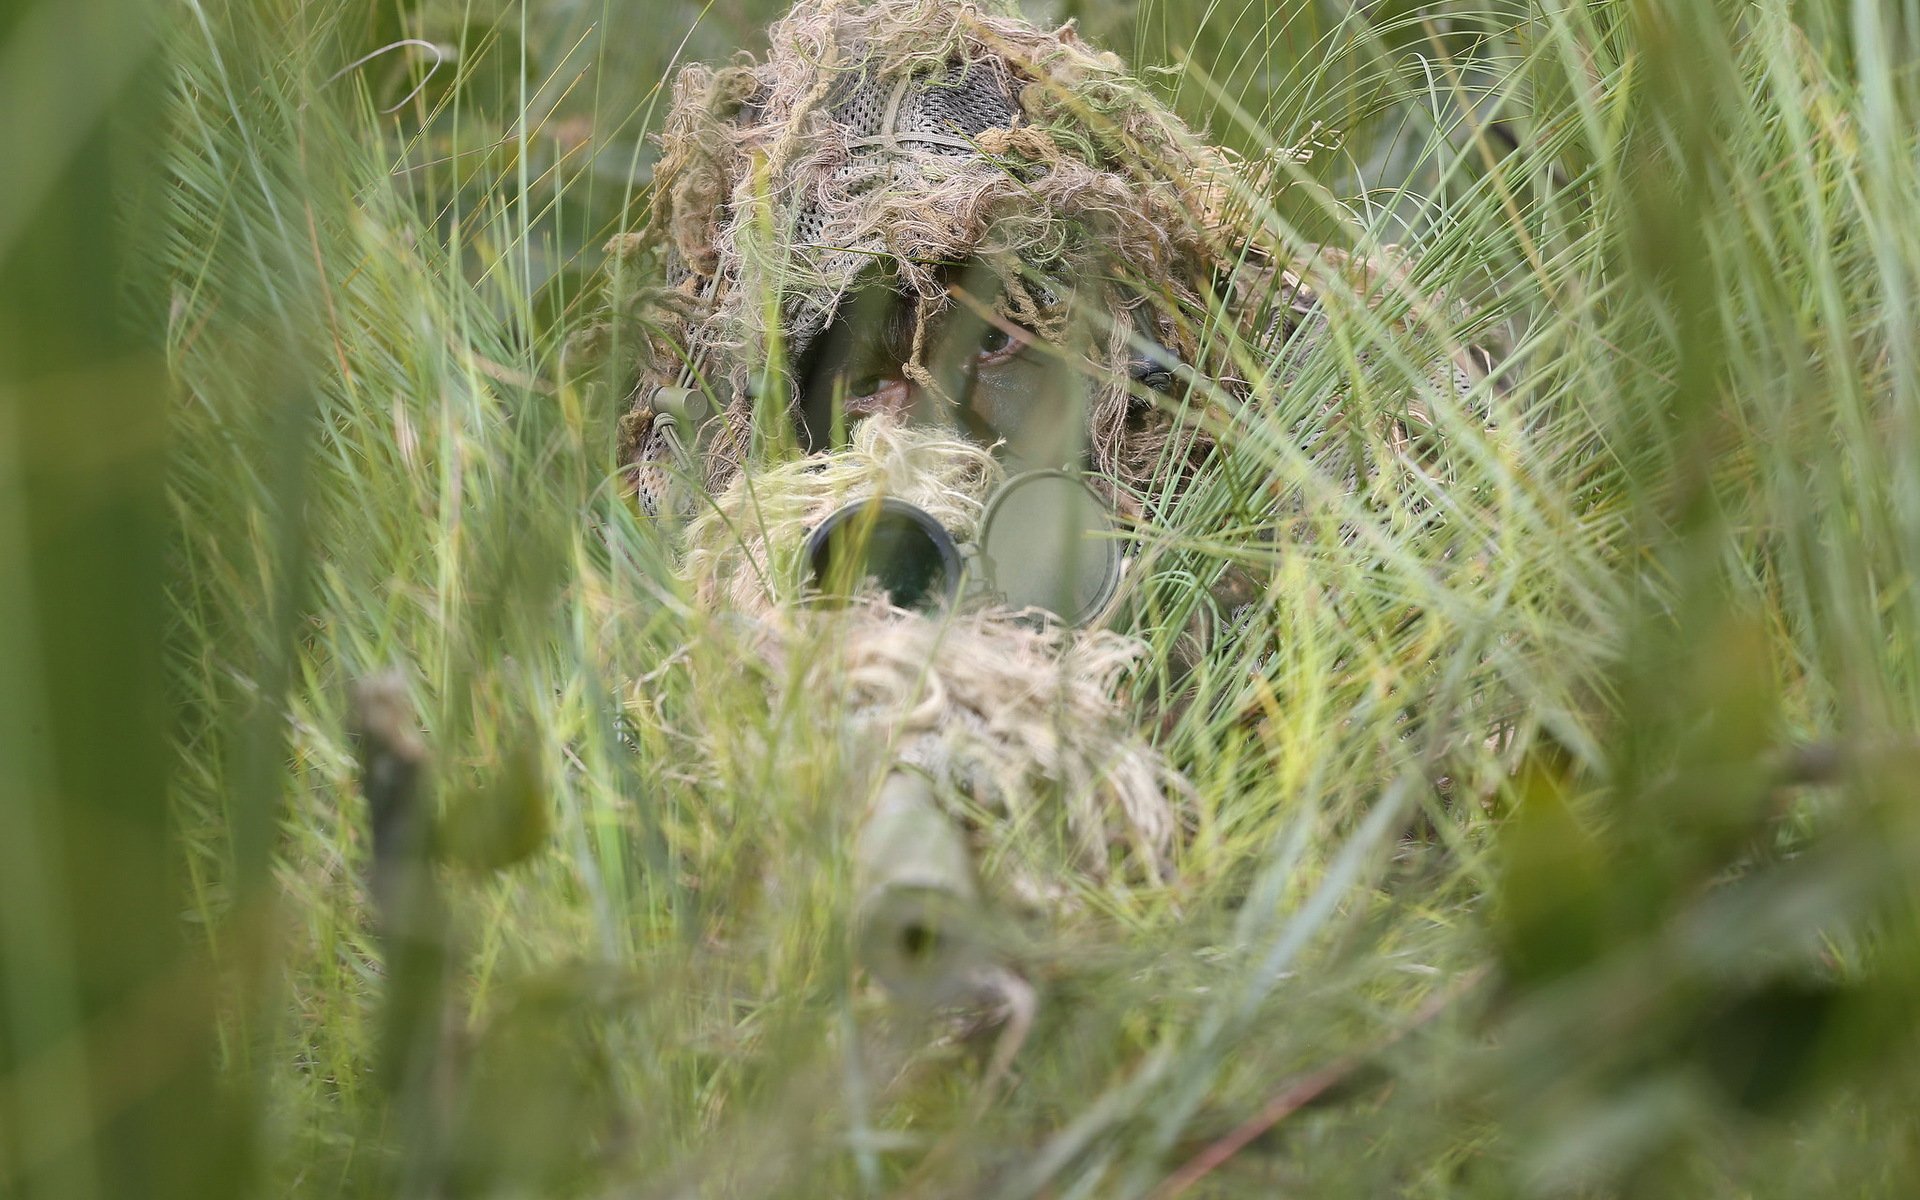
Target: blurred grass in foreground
[107, 1073]
[1556, 803]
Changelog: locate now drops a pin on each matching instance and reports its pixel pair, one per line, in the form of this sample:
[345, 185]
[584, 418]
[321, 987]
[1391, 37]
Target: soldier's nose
[893, 397]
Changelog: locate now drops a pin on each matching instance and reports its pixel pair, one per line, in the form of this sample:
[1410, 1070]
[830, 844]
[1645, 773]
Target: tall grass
[1553, 830]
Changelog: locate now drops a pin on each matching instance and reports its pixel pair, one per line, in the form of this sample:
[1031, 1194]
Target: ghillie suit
[895, 140]
[900, 137]
[987, 759]
[906, 136]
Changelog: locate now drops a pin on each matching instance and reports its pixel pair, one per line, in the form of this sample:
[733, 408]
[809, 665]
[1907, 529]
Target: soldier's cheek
[1037, 406]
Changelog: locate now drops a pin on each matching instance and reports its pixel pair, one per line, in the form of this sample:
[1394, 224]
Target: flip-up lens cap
[1049, 543]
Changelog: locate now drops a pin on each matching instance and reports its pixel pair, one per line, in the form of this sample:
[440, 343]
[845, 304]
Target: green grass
[1553, 825]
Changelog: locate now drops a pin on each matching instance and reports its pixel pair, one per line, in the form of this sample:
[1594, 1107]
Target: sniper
[935, 314]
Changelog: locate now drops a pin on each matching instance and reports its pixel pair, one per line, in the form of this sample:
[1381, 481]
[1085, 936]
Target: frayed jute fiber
[1027, 152]
[1017, 723]
[890, 142]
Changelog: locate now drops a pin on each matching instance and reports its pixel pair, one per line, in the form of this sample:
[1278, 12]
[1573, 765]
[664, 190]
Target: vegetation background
[284, 407]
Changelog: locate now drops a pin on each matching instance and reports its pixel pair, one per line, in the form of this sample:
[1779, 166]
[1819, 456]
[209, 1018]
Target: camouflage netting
[898, 138]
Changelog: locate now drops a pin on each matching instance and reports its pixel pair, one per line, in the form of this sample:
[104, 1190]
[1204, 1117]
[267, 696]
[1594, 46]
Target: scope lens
[1050, 544]
[890, 545]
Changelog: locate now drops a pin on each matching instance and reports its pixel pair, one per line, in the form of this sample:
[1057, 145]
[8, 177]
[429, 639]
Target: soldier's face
[998, 385]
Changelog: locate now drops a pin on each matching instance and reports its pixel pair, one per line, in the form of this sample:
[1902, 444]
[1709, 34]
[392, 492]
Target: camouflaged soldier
[918, 248]
[929, 210]
[933, 209]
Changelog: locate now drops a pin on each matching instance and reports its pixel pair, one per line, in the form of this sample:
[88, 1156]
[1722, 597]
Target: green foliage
[1552, 835]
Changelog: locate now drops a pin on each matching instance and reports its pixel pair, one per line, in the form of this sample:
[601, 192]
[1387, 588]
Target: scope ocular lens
[892, 545]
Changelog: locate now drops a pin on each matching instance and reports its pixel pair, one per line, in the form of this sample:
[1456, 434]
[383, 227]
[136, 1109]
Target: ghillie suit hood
[896, 139]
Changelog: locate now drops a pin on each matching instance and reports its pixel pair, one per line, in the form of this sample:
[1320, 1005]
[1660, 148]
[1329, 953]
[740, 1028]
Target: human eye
[998, 343]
